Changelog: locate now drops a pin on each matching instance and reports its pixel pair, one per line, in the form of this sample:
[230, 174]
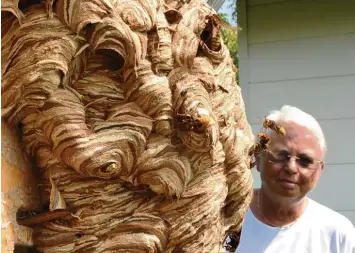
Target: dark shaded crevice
[211, 36]
[23, 5]
[24, 249]
[234, 242]
[112, 60]
[173, 16]
[206, 35]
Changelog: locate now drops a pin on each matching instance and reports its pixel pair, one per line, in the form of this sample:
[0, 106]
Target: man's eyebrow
[310, 154]
[283, 147]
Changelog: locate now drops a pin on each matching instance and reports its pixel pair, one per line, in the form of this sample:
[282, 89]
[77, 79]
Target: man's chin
[288, 192]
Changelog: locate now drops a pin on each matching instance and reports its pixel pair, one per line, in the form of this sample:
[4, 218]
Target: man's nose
[291, 165]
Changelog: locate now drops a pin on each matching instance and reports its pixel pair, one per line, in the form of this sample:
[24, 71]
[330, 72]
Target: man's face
[293, 177]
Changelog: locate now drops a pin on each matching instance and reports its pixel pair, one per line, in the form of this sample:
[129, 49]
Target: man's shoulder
[329, 219]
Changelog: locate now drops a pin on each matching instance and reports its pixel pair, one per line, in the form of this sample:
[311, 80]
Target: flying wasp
[257, 149]
[263, 138]
[268, 123]
[260, 147]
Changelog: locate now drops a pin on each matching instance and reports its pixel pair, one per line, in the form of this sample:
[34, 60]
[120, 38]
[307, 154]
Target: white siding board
[340, 137]
[300, 59]
[261, 2]
[323, 98]
[335, 189]
[300, 19]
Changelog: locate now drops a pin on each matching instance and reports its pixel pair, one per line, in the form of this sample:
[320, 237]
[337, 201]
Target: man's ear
[259, 160]
[322, 166]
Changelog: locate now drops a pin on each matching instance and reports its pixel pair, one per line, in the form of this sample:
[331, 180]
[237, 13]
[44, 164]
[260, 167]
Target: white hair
[289, 113]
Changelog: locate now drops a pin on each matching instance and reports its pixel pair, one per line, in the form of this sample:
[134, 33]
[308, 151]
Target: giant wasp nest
[131, 112]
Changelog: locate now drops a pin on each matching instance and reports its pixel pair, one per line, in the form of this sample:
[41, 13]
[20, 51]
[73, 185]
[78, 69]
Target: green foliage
[230, 39]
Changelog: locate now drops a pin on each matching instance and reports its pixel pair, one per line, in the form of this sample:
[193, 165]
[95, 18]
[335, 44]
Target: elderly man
[281, 218]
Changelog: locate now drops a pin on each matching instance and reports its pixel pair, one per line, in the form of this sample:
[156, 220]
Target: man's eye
[305, 161]
[282, 156]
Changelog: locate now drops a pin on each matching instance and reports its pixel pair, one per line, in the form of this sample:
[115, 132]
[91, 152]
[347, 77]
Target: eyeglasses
[303, 161]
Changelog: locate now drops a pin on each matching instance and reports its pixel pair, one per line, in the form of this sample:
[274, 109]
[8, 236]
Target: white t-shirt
[318, 230]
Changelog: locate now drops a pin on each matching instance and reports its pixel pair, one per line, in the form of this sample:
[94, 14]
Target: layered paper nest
[98, 88]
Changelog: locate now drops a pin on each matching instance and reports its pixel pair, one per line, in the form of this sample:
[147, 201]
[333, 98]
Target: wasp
[216, 34]
[234, 242]
[212, 34]
[260, 147]
[263, 138]
[267, 123]
[187, 122]
[216, 41]
[257, 148]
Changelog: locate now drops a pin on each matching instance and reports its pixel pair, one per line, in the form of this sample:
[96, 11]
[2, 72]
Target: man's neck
[277, 212]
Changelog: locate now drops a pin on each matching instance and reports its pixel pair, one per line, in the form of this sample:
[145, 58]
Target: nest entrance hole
[112, 60]
[211, 35]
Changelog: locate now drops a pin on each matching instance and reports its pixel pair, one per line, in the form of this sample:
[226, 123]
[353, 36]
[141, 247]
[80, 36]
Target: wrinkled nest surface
[132, 114]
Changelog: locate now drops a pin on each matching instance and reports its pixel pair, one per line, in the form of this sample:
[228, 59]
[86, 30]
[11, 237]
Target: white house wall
[288, 60]
[300, 19]
[302, 53]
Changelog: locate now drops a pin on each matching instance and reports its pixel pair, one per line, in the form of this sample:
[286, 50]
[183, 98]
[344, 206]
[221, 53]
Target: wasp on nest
[199, 124]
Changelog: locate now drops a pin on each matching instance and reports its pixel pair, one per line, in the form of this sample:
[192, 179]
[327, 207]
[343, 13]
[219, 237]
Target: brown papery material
[134, 120]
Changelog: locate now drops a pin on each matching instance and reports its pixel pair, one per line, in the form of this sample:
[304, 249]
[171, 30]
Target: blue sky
[228, 10]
